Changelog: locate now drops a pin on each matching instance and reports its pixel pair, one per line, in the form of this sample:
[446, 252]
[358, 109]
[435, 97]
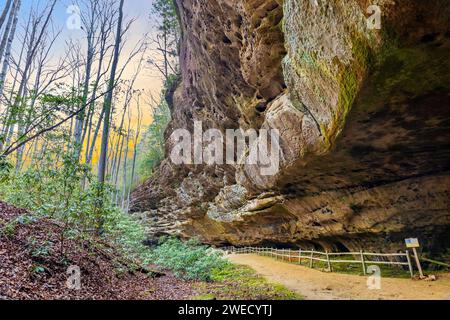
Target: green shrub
[236, 282]
[129, 236]
[189, 260]
[68, 192]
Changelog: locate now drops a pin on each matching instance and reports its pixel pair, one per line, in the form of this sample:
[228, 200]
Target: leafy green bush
[56, 191]
[129, 236]
[189, 260]
[68, 192]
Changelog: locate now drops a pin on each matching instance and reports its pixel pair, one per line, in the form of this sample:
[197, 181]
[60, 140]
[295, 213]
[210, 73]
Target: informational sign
[412, 243]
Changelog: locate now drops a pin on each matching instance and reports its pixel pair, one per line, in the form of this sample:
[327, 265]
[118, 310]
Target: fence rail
[297, 256]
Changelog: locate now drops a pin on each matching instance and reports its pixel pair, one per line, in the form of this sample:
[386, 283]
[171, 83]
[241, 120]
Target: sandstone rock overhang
[364, 117]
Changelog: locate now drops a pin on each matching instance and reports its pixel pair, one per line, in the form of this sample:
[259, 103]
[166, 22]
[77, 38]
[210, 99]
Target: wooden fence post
[300, 256]
[363, 262]
[416, 256]
[408, 258]
[289, 255]
[329, 262]
[311, 259]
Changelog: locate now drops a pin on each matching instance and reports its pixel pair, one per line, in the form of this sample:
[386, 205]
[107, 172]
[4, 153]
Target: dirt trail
[317, 285]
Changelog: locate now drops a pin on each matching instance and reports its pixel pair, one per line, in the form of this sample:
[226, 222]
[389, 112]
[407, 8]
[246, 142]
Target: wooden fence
[330, 258]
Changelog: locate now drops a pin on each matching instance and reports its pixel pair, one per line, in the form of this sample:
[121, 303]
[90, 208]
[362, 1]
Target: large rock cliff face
[363, 116]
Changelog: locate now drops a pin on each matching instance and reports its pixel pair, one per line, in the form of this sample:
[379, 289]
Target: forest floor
[33, 267]
[34, 263]
[316, 285]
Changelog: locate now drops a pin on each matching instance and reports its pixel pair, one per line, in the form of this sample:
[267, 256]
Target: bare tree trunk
[7, 30]
[125, 162]
[8, 48]
[78, 135]
[106, 26]
[94, 139]
[9, 117]
[5, 12]
[23, 125]
[116, 155]
[91, 145]
[34, 42]
[108, 99]
[119, 161]
[135, 151]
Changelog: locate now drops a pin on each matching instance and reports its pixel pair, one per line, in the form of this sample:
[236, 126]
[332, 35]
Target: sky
[137, 9]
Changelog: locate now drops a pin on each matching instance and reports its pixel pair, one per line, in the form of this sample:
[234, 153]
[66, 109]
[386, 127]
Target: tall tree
[108, 99]
[166, 42]
[8, 28]
[137, 136]
[90, 24]
[6, 60]
[5, 12]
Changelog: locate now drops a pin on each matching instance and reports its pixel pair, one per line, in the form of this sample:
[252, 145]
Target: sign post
[413, 243]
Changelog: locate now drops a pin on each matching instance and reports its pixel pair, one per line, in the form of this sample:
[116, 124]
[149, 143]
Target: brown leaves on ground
[33, 265]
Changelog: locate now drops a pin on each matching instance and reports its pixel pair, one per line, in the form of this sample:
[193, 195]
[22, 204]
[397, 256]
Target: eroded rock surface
[363, 116]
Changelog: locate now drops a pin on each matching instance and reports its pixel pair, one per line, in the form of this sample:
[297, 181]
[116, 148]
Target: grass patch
[236, 282]
[388, 271]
